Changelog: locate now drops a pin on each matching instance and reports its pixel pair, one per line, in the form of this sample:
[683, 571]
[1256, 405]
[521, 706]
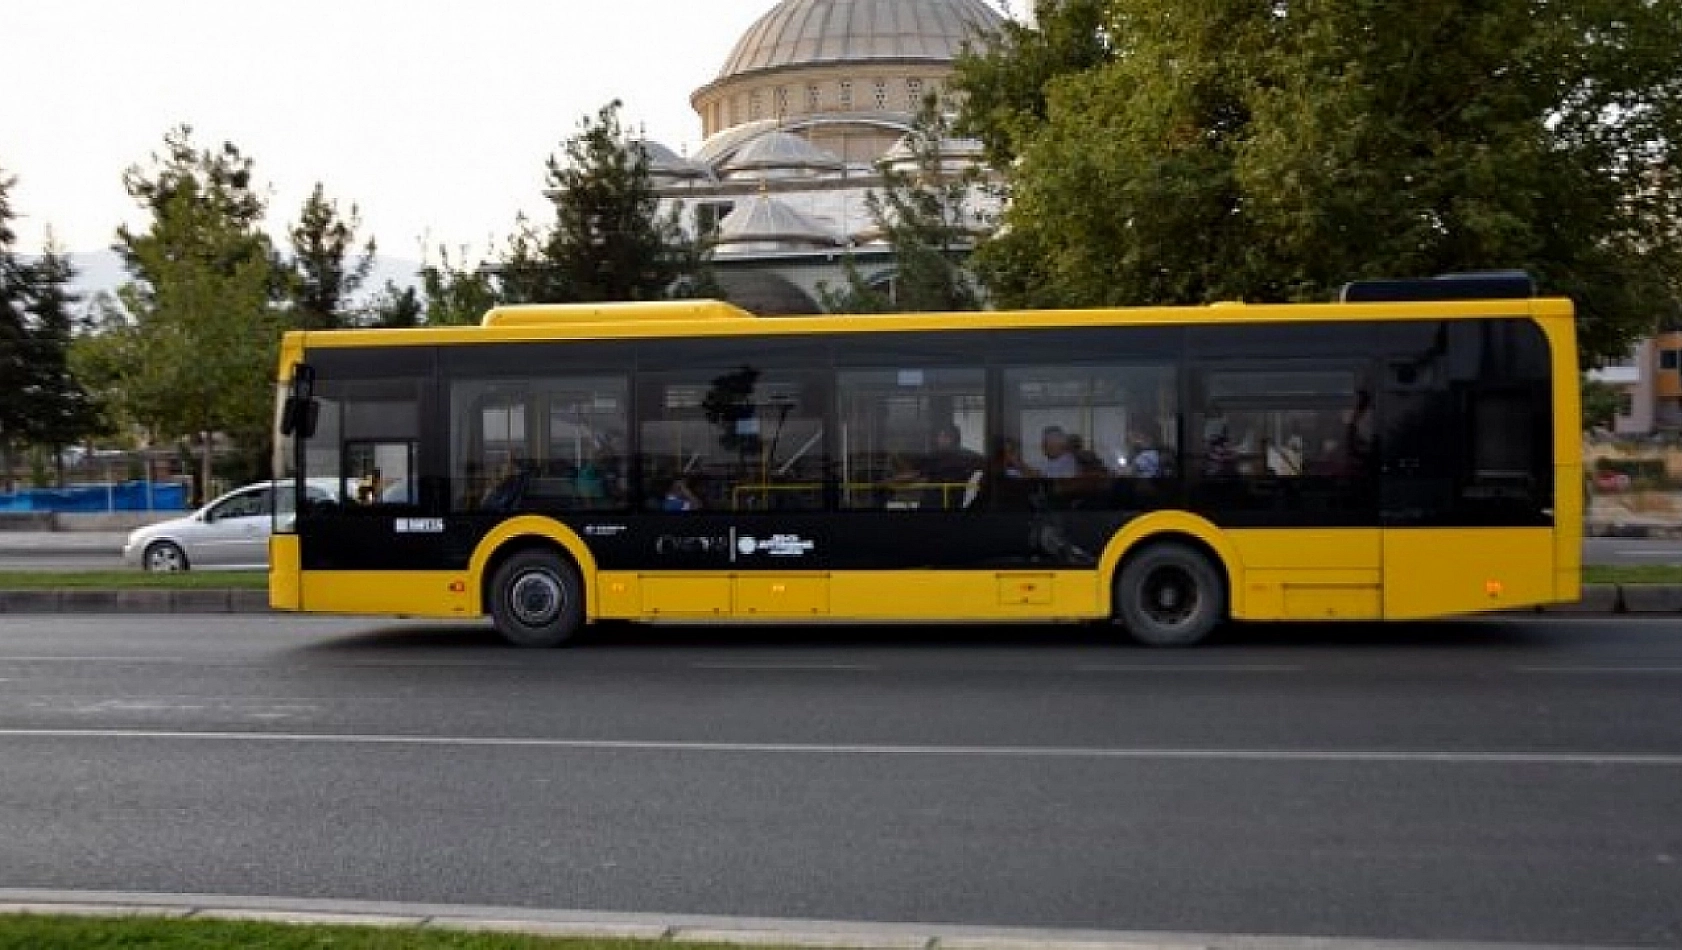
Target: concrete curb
[670, 928]
[99, 601]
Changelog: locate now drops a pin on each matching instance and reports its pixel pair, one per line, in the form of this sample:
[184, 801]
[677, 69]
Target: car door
[235, 530]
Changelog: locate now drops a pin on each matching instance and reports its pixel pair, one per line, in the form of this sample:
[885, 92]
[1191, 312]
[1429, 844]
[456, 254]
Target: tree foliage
[61, 410]
[42, 404]
[14, 337]
[1170, 151]
[201, 350]
[1601, 404]
[608, 240]
[324, 279]
[923, 210]
[456, 294]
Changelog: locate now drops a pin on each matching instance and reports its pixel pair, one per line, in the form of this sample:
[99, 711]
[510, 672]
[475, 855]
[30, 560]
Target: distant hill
[103, 271]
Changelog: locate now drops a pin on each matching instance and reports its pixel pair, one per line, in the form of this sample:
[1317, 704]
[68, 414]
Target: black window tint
[1281, 442]
[1465, 416]
[911, 437]
[749, 438]
[1087, 436]
[539, 443]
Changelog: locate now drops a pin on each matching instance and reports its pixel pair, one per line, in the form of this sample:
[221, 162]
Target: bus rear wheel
[1169, 595]
[537, 600]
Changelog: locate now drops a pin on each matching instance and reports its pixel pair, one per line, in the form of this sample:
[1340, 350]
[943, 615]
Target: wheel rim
[536, 599]
[164, 557]
[1169, 595]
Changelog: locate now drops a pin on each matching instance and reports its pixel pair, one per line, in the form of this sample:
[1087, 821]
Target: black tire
[164, 557]
[537, 600]
[1170, 595]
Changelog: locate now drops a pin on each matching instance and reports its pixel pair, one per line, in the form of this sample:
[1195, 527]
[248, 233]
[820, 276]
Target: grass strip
[31, 932]
[1632, 574]
[132, 580]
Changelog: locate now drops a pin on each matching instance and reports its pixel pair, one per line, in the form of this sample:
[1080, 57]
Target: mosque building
[814, 97]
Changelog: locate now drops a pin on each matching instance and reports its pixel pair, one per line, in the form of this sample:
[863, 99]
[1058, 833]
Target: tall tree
[60, 408]
[1230, 149]
[397, 307]
[457, 294]
[14, 337]
[609, 239]
[206, 324]
[324, 278]
[923, 209]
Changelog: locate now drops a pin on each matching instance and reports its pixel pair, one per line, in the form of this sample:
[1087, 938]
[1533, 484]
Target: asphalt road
[1494, 780]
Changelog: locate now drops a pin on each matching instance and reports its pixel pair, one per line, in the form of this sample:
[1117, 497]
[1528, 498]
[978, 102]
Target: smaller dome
[956, 154]
[765, 224]
[780, 155]
[667, 166]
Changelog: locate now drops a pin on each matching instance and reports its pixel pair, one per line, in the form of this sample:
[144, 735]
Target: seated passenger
[1060, 461]
[679, 497]
[949, 461]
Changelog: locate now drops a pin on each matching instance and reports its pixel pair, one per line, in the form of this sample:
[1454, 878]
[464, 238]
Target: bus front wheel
[537, 600]
[1169, 595]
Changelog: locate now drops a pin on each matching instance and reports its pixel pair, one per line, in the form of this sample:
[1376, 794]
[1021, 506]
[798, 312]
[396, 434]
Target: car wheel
[537, 600]
[164, 557]
[1169, 595]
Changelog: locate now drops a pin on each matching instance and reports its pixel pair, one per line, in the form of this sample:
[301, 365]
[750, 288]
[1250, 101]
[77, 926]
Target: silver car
[230, 533]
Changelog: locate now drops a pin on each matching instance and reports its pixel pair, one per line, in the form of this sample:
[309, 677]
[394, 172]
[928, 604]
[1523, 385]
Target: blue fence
[119, 496]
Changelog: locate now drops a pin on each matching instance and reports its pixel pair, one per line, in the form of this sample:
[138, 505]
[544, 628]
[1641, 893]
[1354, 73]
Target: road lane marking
[794, 667]
[850, 749]
[1601, 668]
[1190, 668]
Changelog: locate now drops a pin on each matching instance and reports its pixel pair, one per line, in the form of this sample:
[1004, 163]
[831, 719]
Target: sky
[433, 117]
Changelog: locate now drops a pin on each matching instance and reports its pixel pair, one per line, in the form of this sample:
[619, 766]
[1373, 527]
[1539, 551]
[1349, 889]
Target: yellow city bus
[1408, 451]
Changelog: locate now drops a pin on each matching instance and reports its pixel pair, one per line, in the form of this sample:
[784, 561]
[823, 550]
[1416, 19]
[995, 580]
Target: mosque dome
[763, 224]
[780, 155]
[665, 165]
[820, 32]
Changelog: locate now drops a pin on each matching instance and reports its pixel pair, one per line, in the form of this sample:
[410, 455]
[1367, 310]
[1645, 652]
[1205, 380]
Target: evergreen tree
[14, 376]
[1219, 149]
[207, 325]
[324, 281]
[397, 307]
[924, 213]
[456, 294]
[61, 411]
[609, 239]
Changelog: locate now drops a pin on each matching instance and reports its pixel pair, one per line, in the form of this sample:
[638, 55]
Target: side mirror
[299, 415]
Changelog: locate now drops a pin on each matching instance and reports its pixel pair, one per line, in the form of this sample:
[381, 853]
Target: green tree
[456, 294]
[609, 239]
[60, 408]
[324, 279]
[14, 378]
[923, 210]
[1601, 404]
[397, 307]
[1229, 149]
[206, 321]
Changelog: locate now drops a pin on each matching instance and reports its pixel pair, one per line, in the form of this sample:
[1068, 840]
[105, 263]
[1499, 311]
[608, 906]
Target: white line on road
[1189, 668]
[968, 751]
[797, 667]
[1598, 669]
